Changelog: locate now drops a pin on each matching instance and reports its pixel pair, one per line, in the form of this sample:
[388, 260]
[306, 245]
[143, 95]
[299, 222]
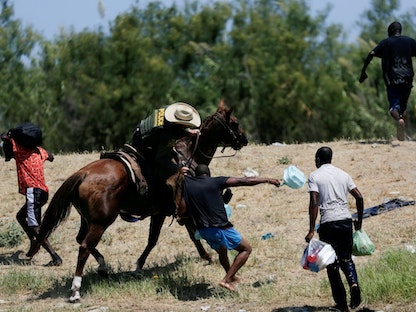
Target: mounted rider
[155, 138]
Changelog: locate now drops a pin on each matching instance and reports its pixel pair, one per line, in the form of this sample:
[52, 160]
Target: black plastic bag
[27, 135]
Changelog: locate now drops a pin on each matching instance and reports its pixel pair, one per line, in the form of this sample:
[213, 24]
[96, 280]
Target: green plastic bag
[362, 244]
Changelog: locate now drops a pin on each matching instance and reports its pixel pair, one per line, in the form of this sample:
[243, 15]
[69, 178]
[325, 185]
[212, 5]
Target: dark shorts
[35, 199]
[217, 237]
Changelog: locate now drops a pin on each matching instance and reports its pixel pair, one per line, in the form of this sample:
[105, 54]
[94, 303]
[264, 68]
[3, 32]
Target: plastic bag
[317, 255]
[293, 177]
[362, 244]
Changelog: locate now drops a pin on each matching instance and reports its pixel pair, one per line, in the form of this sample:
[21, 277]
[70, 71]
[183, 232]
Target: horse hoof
[75, 297]
[138, 273]
[56, 261]
[102, 272]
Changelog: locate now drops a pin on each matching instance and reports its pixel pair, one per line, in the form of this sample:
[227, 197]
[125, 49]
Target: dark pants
[398, 96]
[339, 235]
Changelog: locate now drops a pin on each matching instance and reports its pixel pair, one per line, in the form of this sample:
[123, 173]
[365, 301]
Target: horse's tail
[60, 206]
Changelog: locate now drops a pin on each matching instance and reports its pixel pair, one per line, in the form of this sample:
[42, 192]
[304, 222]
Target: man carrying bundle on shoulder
[23, 144]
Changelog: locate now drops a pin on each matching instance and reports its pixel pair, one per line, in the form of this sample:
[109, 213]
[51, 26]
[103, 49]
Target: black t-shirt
[396, 53]
[204, 202]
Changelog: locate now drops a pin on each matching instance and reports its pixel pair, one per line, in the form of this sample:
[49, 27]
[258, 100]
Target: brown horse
[102, 190]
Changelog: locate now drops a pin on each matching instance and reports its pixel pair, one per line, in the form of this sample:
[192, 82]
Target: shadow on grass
[165, 278]
[314, 309]
[14, 258]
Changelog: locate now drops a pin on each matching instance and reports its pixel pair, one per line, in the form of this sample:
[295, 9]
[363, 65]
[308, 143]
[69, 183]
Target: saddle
[130, 157]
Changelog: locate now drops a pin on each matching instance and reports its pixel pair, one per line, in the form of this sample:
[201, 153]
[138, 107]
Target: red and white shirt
[29, 164]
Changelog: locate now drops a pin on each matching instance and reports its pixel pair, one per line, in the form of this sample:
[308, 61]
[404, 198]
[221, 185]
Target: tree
[17, 100]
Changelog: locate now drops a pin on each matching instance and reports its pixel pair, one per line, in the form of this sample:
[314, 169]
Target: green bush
[11, 235]
[285, 160]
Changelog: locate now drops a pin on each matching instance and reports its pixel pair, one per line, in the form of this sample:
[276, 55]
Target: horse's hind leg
[89, 243]
[102, 266]
[156, 223]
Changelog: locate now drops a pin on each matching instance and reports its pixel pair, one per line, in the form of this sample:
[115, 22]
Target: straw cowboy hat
[184, 114]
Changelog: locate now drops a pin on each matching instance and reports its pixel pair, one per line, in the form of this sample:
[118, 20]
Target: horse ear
[221, 105]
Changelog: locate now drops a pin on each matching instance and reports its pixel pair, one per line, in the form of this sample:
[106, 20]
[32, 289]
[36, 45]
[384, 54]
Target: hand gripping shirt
[29, 165]
[333, 186]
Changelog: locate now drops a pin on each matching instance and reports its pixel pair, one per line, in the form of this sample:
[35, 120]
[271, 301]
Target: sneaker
[400, 130]
[355, 296]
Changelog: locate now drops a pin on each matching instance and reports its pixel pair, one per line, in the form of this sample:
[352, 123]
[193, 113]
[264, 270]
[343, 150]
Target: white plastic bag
[317, 255]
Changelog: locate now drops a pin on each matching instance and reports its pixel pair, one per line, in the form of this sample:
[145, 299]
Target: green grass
[11, 235]
[170, 280]
[391, 279]
[24, 282]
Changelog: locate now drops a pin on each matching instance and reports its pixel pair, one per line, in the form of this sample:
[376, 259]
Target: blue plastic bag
[293, 177]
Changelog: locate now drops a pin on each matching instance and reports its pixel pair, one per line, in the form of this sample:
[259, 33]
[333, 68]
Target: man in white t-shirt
[329, 187]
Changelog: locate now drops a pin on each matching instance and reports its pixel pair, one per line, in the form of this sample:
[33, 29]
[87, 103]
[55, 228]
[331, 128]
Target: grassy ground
[176, 280]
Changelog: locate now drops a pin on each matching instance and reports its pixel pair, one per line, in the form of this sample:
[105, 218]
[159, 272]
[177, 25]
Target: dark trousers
[398, 96]
[339, 235]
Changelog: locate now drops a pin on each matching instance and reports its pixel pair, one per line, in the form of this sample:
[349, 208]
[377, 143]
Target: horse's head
[230, 132]
[221, 128]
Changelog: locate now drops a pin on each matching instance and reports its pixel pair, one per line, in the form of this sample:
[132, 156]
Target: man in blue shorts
[203, 200]
[396, 53]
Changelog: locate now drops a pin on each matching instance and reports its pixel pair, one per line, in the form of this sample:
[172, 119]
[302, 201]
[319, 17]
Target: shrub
[11, 235]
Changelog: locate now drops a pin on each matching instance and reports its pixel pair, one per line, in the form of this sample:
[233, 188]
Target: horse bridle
[218, 117]
[221, 120]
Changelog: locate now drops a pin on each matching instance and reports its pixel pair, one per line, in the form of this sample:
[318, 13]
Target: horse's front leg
[89, 243]
[190, 227]
[156, 223]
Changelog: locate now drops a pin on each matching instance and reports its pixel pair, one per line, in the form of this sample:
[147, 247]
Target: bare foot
[236, 279]
[229, 286]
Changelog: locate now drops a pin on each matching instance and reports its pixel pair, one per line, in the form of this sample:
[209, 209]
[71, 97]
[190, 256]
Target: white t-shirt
[333, 186]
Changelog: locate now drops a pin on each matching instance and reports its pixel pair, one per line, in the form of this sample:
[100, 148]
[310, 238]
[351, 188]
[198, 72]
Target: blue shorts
[216, 237]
